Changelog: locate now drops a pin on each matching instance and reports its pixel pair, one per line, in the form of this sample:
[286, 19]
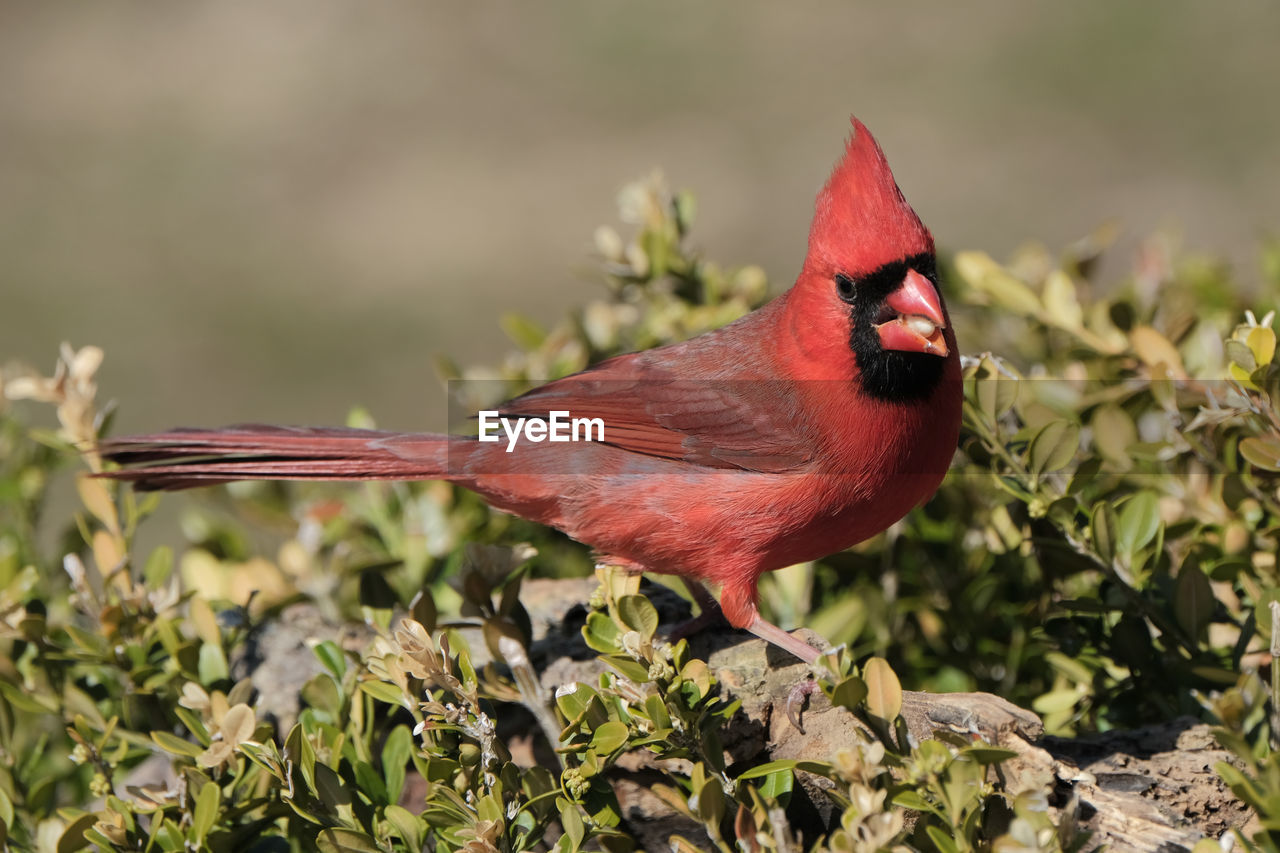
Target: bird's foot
[709, 612]
[797, 698]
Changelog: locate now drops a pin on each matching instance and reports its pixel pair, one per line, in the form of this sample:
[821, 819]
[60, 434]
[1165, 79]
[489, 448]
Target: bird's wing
[719, 422]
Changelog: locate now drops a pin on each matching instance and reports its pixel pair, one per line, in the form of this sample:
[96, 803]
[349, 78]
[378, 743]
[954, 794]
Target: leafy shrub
[1104, 551]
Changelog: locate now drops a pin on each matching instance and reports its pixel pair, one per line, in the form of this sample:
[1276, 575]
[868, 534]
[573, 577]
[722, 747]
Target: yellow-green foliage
[1103, 551]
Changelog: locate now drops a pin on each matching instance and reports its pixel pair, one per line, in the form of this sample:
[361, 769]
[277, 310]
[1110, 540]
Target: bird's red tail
[187, 458]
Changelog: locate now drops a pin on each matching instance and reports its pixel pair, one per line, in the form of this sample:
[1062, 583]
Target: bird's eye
[844, 287]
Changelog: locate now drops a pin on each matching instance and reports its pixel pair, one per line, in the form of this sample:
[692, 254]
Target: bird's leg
[771, 633]
[798, 694]
[708, 612]
[767, 631]
[701, 594]
[763, 629]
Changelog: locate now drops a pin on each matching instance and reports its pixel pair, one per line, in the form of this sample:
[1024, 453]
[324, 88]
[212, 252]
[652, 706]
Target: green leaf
[385, 692]
[639, 615]
[204, 621]
[193, 723]
[1262, 451]
[590, 710]
[94, 837]
[628, 667]
[778, 785]
[73, 837]
[686, 207]
[820, 768]
[96, 498]
[370, 785]
[1056, 700]
[213, 664]
[986, 754]
[1114, 434]
[1230, 774]
[1193, 600]
[995, 394]
[330, 654]
[1155, 350]
[962, 786]
[1061, 303]
[985, 275]
[335, 840]
[656, 709]
[330, 788]
[909, 799]
[573, 702]
[406, 824]
[489, 808]
[158, 568]
[175, 745]
[1103, 526]
[1240, 374]
[423, 610]
[1053, 447]
[1239, 354]
[884, 691]
[1137, 524]
[711, 802]
[849, 693]
[609, 737]
[1261, 341]
[205, 814]
[321, 693]
[441, 769]
[35, 703]
[571, 822]
[396, 753]
[1070, 667]
[696, 672]
[522, 331]
[168, 837]
[299, 749]
[1263, 618]
[601, 803]
[601, 633]
[944, 842]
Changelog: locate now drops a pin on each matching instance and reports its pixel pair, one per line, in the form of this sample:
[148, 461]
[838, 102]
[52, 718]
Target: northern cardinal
[799, 430]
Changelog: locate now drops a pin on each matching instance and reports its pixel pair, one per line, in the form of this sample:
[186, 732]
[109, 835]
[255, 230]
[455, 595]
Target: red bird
[799, 430]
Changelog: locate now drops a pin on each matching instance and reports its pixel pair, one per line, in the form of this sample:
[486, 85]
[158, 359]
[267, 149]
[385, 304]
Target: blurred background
[274, 212]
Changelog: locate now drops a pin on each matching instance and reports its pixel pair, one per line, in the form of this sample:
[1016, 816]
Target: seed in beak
[922, 326]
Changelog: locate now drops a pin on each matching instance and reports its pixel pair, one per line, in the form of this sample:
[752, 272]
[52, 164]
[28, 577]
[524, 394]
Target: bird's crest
[861, 220]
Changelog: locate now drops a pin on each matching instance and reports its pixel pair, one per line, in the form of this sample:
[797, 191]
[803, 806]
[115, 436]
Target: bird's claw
[796, 699]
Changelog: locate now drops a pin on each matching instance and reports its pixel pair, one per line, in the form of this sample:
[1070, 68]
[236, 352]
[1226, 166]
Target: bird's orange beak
[917, 323]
